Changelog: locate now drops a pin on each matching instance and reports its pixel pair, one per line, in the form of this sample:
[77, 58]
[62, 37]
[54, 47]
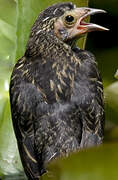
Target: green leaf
[116, 74]
[7, 30]
[9, 161]
[98, 163]
[111, 135]
[7, 56]
[111, 94]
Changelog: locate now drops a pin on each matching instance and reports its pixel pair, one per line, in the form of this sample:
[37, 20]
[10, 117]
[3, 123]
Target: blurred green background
[16, 19]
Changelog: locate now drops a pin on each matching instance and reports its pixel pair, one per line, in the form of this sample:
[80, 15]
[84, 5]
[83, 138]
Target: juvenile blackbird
[56, 91]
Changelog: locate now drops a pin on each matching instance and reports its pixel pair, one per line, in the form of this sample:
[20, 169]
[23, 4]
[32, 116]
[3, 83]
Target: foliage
[98, 163]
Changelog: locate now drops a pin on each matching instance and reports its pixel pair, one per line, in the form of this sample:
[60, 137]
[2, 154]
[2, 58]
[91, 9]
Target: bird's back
[73, 111]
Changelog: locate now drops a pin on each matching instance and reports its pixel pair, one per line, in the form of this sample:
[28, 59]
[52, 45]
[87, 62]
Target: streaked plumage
[56, 94]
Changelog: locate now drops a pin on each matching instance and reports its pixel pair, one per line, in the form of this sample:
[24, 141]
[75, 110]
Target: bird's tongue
[84, 23]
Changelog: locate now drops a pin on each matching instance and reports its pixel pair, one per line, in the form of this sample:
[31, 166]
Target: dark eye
[69, 19]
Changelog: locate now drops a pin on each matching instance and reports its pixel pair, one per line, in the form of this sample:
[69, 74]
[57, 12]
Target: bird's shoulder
[88, 67]
[88, 82]
[84, 55]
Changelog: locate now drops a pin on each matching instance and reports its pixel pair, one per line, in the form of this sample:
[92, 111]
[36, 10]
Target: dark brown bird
[56, 91]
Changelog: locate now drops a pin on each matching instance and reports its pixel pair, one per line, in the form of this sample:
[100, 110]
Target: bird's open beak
[85, 27]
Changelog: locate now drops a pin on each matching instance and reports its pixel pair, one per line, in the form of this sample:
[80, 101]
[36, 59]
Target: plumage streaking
[56, 91]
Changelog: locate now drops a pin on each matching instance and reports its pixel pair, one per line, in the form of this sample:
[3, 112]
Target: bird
[56, 91]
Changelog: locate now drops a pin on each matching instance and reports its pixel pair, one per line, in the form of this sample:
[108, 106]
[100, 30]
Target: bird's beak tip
[93, 11]
[88, 12]
[94, 27]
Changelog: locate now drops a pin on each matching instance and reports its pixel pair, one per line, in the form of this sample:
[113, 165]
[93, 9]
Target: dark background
[105, 44]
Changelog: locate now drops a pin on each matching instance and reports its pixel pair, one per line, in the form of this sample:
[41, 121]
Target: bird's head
[62, 22]
[67, 21]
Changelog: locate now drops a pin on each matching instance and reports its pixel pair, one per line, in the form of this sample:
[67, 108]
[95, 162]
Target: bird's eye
[69, 20]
